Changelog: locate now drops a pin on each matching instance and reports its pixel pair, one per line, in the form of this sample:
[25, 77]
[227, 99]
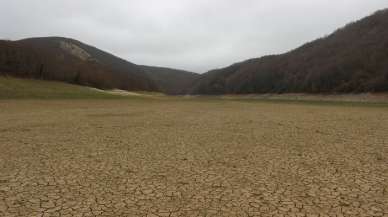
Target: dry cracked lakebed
[192, 158]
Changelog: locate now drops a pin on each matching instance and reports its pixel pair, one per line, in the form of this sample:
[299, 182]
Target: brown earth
[331, 98]
[194, 157]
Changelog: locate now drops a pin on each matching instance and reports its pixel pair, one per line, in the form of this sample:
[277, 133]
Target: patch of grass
[17, 88]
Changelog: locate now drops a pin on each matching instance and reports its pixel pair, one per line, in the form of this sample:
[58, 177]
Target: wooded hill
[352, 59]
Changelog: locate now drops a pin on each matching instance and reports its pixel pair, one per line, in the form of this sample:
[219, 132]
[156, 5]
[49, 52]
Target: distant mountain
[170, 81]
[63, 59]
[352, 59]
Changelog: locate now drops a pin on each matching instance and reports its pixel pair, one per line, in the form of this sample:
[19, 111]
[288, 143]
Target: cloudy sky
[195, 35]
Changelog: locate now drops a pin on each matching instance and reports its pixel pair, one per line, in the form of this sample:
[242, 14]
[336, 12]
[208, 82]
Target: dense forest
[352, 59]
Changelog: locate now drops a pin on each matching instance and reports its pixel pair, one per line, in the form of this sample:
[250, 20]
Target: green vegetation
[16, 88]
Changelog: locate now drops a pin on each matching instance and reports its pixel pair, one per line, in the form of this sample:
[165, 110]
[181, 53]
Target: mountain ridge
[352, 59]
[71, 61]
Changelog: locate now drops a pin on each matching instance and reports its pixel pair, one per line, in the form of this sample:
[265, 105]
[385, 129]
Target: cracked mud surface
[191, 158]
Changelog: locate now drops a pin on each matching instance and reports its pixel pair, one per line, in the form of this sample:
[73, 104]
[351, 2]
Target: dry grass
[191, 157]
[17, 88]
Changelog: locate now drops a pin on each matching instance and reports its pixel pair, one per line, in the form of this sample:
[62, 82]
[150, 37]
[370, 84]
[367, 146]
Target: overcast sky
[195, 35]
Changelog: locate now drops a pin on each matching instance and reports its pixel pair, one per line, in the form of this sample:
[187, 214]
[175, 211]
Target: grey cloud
[195, 35]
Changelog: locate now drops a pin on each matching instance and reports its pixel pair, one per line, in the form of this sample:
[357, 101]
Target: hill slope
[17, 88]
[170, 81]
[63, 59]
[352, 59]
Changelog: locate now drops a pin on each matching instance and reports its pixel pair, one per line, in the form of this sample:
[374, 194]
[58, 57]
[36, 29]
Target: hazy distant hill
[171, 81]
[352, 59]
[63, 59]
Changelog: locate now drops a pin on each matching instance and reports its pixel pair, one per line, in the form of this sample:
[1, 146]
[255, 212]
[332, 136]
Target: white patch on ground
[128, 93]
[124, 93]
[75, 50]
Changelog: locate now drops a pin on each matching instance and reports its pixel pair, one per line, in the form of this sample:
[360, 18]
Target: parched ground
[193, 157]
